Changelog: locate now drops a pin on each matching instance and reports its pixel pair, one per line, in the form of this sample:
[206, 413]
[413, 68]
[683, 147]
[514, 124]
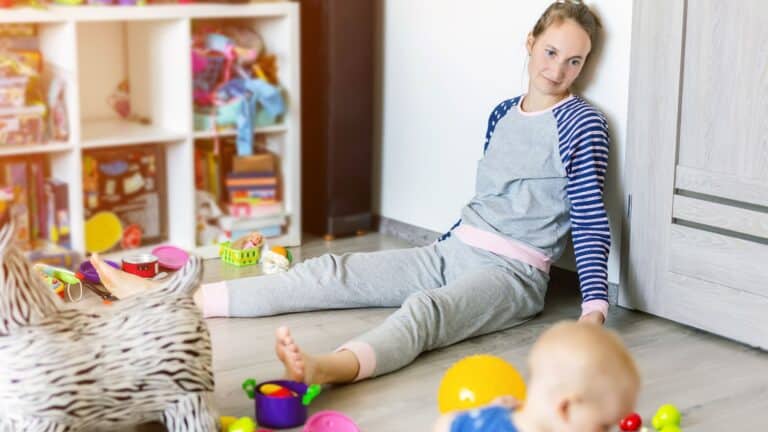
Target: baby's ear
[566, 406]
[564, 410]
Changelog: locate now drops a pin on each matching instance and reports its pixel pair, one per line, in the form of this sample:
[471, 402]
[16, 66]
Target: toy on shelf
[120, 101]
[58, 118]
[477, 380]
[123, 196]
[141, 385]
[230, 89]
[631, 423]
[281, 404]
[667, 419]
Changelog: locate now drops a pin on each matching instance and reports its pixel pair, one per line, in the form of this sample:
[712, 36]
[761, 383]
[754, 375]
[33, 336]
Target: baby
[582, 380]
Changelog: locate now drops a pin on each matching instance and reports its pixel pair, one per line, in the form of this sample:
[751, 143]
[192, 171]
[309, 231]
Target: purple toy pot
[281, 413]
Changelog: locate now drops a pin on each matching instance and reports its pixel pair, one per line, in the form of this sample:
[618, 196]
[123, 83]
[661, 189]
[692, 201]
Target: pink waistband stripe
[502, 246]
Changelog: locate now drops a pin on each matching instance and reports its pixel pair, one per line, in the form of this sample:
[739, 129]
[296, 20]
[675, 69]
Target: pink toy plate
[330, 421]
[170, 257]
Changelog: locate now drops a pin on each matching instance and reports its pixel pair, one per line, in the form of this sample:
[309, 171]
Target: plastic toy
[273, 262]
[243, 424]
[102, 232]
[281, 250]
[239, 257]
[89, 272]
[170, 257]
[631, 423]
[280, 412]
[144, 265]
[477, 380]
[330, 421]
[667, 415]
[276, 391]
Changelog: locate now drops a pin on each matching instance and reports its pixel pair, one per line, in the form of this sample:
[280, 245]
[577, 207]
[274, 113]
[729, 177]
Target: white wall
[443, 66]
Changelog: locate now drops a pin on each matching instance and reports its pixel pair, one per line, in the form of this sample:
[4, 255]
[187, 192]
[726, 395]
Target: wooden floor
[719, 385]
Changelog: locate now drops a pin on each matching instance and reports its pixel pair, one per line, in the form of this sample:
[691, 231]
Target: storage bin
[13, 91]
[22, 126]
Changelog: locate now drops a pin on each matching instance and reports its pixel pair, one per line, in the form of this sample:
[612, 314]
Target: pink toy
[170, 257]
[330, 421]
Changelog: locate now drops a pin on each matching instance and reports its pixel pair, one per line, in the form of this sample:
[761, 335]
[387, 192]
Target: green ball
[666, 415]
[671, 428]
[243, 424]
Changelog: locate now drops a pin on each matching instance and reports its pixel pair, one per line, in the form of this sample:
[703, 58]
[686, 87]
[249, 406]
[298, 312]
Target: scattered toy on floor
[476, 381]
[631, 423]
[281, 404]
[667, 419]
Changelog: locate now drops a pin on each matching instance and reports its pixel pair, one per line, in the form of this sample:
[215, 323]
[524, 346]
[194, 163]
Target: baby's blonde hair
[575, 356]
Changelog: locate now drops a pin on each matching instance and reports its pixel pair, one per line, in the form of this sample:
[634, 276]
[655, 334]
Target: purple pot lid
[170, 257]
[330, 421]
[87, 269]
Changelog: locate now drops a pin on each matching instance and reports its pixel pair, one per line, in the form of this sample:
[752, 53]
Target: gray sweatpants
[447, 292]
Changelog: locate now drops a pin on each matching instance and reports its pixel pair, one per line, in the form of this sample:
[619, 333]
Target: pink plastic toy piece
[330, 421]
[170, 257]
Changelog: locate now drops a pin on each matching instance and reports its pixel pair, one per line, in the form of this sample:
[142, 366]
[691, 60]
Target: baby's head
[582, 379]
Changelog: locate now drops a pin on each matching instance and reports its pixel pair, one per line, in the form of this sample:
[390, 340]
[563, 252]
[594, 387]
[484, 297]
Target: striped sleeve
[584, 142]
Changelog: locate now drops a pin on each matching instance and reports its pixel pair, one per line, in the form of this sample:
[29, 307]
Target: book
[57, 196]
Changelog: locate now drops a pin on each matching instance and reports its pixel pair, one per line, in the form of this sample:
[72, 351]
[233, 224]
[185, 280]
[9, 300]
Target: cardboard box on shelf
[260, 162]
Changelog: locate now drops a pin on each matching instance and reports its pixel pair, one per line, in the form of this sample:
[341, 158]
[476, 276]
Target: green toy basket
[239, 257]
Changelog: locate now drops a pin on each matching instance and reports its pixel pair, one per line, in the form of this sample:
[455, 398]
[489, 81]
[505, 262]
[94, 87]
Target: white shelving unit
[96, 47]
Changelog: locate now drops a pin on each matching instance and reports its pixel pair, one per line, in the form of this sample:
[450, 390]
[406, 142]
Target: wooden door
[697, 166]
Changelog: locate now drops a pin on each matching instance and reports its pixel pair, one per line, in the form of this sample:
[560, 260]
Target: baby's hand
[509, 402]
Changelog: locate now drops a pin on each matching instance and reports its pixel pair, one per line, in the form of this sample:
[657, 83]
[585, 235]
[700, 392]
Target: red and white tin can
[144, 265]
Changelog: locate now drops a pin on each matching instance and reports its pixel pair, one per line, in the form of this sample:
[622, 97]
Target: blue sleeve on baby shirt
[491, 419]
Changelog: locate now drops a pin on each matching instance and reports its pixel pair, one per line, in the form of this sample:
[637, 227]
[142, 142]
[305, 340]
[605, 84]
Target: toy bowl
[281, 412]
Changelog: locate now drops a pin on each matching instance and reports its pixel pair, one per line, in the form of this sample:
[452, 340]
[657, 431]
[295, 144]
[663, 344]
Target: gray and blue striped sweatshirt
[542, 174]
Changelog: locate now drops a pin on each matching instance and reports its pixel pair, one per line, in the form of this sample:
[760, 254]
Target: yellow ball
[477, 380]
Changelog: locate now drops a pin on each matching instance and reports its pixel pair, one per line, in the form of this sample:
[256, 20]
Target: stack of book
[38, 208]
[254, 201]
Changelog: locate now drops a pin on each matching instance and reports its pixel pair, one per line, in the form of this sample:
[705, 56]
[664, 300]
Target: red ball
[631, 423]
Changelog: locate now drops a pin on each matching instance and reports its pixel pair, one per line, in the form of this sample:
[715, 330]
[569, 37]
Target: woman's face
[557, 56]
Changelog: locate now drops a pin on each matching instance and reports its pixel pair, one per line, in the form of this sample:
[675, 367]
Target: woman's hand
[595, 317]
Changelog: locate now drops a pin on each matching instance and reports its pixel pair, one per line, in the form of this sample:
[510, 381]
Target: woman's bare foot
[118, 282]
[336, 367]
[298, 366]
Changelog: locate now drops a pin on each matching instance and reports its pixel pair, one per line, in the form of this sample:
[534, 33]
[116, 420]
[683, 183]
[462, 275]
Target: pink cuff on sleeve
[595, 305]
[215, 299]
[366, 358]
